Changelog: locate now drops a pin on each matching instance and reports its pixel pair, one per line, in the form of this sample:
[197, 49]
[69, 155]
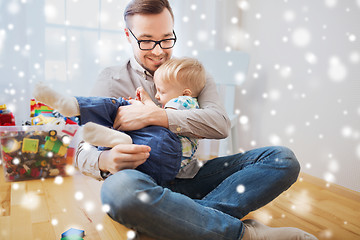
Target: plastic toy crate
[35, 152]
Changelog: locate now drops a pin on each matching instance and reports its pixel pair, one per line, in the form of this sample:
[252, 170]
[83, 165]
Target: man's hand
[138, 115]
[123, 156]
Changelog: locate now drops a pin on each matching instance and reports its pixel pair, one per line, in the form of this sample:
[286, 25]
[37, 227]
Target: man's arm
[210, 121]
[139, 115]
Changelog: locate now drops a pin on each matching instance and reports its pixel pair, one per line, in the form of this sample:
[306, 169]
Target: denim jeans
[206, 207]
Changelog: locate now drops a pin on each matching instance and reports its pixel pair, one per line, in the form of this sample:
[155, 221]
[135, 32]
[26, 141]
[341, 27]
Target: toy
[6, 117]
[73, 234]
[70, 155]
[6, 157]
[40, 113]
[72, 237]
[35, 152]
[41, 120]
[11, 145]
[30, 145]
[72, 121]
[32, 152]
[55, 145]
[37, 108]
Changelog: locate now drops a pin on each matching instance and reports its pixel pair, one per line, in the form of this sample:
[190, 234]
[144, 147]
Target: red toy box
[35, 152]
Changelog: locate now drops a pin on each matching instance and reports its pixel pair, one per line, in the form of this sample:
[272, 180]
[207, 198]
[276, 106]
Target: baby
[178, 82]
[98, 115]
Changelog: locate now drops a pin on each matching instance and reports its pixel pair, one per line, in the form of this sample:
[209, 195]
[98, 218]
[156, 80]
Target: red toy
[6, 117]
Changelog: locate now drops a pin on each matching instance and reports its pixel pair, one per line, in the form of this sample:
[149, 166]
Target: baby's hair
[188, 72]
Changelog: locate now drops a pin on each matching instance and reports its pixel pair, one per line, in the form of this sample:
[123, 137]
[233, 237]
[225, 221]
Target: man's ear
[187, 92]
[127, 34]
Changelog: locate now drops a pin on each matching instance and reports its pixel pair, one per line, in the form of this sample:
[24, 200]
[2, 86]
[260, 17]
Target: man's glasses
[151, 44]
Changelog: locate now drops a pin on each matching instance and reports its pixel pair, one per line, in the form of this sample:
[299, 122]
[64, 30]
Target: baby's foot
[99, 135]
[255, 230]
[66, 105]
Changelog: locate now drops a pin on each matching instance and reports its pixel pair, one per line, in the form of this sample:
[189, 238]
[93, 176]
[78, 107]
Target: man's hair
[146, 7]
[188, 72]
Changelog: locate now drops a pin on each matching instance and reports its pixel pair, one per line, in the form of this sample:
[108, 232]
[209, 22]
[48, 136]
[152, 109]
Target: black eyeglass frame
[155, 42]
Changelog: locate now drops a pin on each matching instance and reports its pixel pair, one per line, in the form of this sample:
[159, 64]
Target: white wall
[304, 85]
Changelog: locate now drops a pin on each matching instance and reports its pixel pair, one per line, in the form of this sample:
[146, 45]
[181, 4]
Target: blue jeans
[208, 206]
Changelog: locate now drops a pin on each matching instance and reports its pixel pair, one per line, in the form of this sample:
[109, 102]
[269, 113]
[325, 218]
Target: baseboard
[332, 187]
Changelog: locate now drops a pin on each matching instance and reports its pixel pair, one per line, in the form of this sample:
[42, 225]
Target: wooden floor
[44, 209]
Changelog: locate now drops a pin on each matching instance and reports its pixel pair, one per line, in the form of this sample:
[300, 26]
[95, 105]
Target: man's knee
[283, 158]
[287, 159]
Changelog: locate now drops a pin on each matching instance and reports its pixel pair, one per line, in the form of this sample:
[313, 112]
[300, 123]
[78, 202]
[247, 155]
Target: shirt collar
[139, 69]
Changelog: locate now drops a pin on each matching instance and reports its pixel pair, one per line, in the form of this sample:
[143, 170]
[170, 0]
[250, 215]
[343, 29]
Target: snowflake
[337, 71]
[13, 8]
[105, 208]
[89, 206]
[58, 180]
[301, 37]
[50, 12]
[244, 120]
[99, 227]
[131, 235]
[289, 16]
[79, 195]
[354, 57]
[330, 3]
[311, 58]
[240, 188]
[244, 5]
[144, 197]
[274, 139]
[352, 38]
[329, 177]
[54, 221]
[333, 166]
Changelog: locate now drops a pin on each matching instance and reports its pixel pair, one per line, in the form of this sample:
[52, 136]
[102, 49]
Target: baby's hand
[143, 96]
[138, 95]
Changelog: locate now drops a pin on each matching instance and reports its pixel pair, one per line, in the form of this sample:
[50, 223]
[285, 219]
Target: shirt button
[144, 76]
[178, 129]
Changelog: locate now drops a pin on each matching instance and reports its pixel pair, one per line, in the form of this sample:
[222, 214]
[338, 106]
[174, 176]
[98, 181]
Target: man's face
[150, 27]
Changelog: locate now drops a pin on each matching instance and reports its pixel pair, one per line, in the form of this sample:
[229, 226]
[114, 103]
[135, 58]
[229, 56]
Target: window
[65, 43]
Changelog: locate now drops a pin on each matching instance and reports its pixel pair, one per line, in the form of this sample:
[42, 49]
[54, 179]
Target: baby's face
[166, 91]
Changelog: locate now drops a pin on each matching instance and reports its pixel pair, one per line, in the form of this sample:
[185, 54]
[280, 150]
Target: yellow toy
[30, 145]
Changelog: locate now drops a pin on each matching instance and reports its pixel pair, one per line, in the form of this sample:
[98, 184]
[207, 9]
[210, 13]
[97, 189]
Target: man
[208, 205]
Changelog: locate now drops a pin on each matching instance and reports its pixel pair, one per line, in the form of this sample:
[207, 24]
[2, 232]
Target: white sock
[66, 105]
[99, 135]
[255, 230]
